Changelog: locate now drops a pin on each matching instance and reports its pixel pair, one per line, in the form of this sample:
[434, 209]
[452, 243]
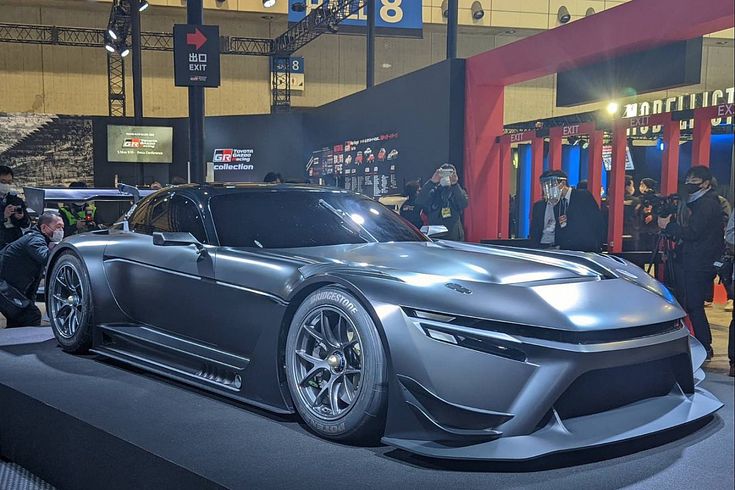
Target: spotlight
[268, 3]
[124, 52]
[477, 11]
[109, 48]
[298, 6]
[563, 15]
[590, 11]
[143, 5]
[612, 107]
[445, 9]
[112, 34]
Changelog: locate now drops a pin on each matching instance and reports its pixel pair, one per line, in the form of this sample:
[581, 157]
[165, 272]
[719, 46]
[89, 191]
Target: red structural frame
[626, 28]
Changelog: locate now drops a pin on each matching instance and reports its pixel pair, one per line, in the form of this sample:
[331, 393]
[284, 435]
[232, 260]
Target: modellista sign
[679, 103]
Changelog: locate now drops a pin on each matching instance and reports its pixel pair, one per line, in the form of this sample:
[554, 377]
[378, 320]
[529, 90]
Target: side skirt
[183, 360]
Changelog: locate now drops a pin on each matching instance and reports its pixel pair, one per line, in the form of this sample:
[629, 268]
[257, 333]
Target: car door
[166, 287]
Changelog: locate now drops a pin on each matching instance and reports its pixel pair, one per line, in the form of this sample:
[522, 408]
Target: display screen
[607, 158]
[140, 144]
[364, 165]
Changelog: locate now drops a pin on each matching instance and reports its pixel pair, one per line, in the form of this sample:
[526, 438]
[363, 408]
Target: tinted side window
[169, 214]
[184, 216]
[139, 218]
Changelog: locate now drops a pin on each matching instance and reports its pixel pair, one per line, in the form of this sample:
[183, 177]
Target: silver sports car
[325, 303]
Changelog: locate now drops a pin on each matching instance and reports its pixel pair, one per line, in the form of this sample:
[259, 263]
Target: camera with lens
[661, 206]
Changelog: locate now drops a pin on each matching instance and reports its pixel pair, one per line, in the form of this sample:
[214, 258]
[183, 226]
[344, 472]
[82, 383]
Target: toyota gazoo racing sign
[233, 159]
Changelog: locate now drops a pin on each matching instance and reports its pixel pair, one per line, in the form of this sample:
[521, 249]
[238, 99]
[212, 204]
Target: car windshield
[291, 219]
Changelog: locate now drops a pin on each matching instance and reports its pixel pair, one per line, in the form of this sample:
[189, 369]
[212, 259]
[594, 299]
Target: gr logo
[222, 155]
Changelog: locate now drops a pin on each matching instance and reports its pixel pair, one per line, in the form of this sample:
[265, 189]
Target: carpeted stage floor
[191, 439]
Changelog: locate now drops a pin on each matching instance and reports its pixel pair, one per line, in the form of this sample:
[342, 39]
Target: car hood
[450, 260]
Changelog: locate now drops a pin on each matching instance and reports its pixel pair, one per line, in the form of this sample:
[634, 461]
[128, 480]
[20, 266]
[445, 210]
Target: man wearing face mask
[21, 267]
[698, 231]
[566, 218]
[15, 216]
[444, 201]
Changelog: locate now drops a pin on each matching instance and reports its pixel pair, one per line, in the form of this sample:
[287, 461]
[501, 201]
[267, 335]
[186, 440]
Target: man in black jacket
[15, 216]
[698, 231]
[21, 266]
[444, 201]
[566, 218]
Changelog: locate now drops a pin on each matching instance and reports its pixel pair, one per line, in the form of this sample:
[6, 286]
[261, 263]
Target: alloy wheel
[67, 294]
[328, 363]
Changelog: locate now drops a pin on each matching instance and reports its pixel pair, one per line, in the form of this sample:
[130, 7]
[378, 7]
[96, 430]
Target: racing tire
[69, 304]
[336, 368]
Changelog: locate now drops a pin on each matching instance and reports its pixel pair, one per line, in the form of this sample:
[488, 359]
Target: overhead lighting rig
[118, 26]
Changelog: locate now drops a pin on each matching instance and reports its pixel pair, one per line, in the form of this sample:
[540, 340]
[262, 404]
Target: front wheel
[336, 367]
[69, 304]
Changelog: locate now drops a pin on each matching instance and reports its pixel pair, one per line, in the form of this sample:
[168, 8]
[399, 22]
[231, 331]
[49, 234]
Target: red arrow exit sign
[196, 55]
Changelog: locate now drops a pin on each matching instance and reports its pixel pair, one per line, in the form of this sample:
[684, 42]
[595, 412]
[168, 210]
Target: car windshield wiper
[348, 222]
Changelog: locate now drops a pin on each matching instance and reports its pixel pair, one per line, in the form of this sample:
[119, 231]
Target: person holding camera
[21, 267]
[15, 216]
[698, 233]
[647, 226]
[444, 201]
[565, 218]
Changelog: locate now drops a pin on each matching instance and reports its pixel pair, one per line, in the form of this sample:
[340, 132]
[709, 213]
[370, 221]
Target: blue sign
[297, 64]
[393, 17]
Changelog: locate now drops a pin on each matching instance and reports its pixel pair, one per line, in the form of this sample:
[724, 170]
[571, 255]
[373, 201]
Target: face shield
[552, 188]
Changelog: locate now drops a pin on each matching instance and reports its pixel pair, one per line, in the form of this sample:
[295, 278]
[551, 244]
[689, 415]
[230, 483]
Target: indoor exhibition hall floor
[235, 446]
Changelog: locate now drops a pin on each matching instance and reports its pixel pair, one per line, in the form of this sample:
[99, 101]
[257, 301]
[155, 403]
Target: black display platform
[81, 422]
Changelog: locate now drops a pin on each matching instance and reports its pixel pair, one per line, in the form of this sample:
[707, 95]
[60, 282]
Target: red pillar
[701, 137]
[537, 168]
[504, 194]
[616, 196]
[483, 124]
[594, 164]
[555, 153]
[670, 163]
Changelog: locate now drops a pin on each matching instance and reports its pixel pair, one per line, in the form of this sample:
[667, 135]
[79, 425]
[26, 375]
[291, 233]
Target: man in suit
[566, 218]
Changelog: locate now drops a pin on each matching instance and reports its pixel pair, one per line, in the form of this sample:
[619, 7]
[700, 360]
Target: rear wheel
[336, 369]
[69, 304]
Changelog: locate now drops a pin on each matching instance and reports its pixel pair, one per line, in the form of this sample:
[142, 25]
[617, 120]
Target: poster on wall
[140, 144]
[46, 150]
[364, 165]
[607, 158]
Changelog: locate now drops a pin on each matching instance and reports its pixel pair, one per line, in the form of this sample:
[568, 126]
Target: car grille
[605, 389]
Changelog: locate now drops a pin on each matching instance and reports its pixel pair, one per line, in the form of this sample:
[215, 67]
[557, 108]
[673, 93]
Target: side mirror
[177, 239]
[434, 231]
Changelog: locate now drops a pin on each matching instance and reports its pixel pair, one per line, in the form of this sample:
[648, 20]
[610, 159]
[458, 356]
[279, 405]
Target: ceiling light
[268, 3]
[563, 15]
[586, 144]
[109, 48]
[298, 6]
[112, 34]
[477, 11]
[612, 107]
[124, 52]
[386, 65]
[143, 5]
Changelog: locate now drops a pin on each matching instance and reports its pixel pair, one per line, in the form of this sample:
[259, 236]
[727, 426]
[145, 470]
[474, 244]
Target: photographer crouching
[698, 233]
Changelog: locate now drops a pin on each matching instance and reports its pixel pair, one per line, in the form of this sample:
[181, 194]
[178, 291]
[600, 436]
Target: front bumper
[450, 401]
